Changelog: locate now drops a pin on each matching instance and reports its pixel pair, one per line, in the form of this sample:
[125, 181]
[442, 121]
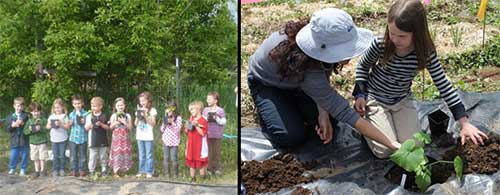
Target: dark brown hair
[290, 59]
[175, 111]
[409, 16]
[77, 97]
[35, 106]
[215, 95]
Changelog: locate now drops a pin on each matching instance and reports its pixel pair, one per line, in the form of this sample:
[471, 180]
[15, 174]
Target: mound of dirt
[273, 174]
[481, 158]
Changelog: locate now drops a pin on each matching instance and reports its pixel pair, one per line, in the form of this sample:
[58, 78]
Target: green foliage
[127, 44]
[411, 157]
[456, 35]
[476, 57]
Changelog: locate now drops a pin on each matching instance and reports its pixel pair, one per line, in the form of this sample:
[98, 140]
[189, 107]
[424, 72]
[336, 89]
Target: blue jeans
[14, 155]
[59, 160]
[287, 116]
[78, 156]
[146, 161]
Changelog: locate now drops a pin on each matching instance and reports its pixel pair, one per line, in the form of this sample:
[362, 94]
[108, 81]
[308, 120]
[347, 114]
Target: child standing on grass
[383, 94]
[18, 141]
[120, 157]
[96, 125]
[58, 124]
[37, 133]
[145, 121]
[196, 147]
[216, 118]
[78, 137]
[171, 138]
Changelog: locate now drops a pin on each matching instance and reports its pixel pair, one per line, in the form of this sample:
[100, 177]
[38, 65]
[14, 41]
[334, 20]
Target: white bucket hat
[331, 36]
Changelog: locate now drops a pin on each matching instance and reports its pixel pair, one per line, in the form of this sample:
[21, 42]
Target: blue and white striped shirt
[392, 82]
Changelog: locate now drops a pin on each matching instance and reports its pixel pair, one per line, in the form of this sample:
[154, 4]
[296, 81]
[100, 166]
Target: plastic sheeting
[357, 171]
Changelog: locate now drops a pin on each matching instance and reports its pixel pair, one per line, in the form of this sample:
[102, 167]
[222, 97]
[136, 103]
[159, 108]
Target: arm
[370, 131]
[88, 122]
[68, 123]
[221, 120]
[151, 120]
[176, 126]
[11, 124]
[450, 96]
[48, 123]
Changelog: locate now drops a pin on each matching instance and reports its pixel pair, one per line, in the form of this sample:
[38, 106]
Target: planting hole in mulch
[281, 171]
[440, 173]
[484, 159]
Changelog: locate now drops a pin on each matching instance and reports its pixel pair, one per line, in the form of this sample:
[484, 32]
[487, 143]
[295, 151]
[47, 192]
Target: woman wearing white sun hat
[289, 79]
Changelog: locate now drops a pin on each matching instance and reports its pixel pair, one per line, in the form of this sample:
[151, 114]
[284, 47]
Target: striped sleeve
[369, 59]
[446, 90]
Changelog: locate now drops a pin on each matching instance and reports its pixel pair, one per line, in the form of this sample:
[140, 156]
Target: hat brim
[334, 53]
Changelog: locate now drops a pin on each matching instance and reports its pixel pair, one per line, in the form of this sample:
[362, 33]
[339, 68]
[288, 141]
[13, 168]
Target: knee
[381, 152]
[284, 139]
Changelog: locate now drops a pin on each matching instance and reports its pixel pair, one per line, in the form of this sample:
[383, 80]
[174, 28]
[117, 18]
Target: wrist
[360, 95]
[463, 120]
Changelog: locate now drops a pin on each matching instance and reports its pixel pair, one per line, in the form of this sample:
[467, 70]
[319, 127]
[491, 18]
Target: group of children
[31, 135]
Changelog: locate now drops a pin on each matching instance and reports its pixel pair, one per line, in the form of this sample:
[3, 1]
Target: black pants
[287, 117]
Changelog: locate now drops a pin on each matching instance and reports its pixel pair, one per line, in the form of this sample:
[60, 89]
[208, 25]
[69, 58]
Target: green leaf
[408, 156]
[423, 178]
[458, 164]
[422, 137]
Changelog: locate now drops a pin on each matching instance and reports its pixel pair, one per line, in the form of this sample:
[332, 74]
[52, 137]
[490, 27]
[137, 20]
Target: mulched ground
[271, 175]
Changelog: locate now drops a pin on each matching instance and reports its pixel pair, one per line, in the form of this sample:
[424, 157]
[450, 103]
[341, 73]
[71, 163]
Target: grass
[229, 154]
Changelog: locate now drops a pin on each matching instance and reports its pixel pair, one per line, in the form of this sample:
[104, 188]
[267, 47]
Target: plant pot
[80, 120]
[211, 117]
[53, 123]
[190, 126]
[438, 123]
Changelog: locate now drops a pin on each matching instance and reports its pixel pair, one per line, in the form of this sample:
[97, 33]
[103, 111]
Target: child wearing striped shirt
[385, 73]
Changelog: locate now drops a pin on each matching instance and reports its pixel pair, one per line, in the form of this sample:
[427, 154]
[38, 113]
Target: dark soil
[302, 191]
[481, 158]
[440, 173]
[273, 174]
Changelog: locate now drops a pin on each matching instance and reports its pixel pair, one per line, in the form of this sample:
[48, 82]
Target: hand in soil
[482, 158]
[470, 131]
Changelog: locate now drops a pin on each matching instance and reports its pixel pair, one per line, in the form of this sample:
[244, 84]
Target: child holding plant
[18, 141]
[36, 131]
[120, 157]
[78, 137]
[96, 124]
[58, 124]
[145, 121]
[216, 120]
[383, 94]
[196, 146]
[171, 138]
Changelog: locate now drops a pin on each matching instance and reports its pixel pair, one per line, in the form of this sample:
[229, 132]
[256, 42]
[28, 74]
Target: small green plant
[411, 157]
[456, 35]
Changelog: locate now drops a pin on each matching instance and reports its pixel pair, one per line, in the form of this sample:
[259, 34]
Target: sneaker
[138, 175]
[218, 172]
[36, 174]
[11, 172]
[103, 173]
[43, 174]
[22, 173]
[193, 179]
[54, 174]
[116, 175]
[149, 175]
[82, 174]
[61, 173]
[73, 174]
[91, 173]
